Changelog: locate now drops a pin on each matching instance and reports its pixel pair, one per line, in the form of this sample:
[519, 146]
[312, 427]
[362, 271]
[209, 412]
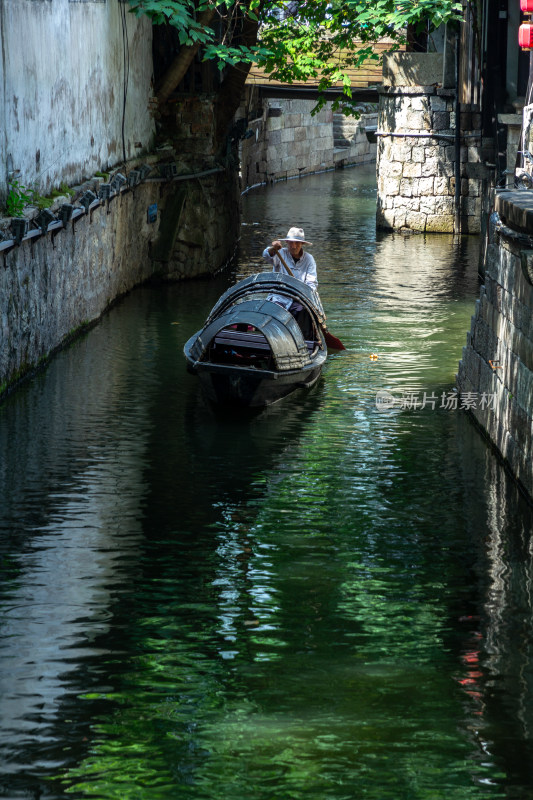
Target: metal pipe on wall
[457, 220]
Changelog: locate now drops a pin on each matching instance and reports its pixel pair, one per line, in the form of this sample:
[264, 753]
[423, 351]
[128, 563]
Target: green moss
[41, 201]
[76, 331]
[104, 175]
[27, 369]
[64, 189]
[15, 377]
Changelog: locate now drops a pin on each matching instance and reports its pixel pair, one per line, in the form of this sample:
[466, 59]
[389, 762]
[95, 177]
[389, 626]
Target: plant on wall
[18, 197]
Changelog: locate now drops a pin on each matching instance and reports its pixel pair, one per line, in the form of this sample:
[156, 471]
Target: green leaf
[307, 43]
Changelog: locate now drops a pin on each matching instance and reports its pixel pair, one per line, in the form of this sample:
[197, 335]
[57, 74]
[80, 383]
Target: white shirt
[304, 269]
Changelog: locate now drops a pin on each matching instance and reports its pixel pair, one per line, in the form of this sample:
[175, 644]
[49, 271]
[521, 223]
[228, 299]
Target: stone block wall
[53, 285]
[200, 227]
[201, 224]
[289, 142]
[416, 161]
[189, 129]
[497, 362]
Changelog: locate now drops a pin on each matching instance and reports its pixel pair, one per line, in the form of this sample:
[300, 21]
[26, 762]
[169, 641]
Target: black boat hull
[241, 387]
[251, 351]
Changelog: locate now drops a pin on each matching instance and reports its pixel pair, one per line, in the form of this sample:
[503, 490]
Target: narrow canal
[325, 600]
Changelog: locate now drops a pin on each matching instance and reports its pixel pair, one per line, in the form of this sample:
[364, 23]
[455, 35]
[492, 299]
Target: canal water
[328, 599]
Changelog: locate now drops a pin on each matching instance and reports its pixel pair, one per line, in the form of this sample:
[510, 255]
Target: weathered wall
[207, 234]
[288, 142]
[497, 362]
[200, 227]
[52, 285]
[62, 89]
[189, 126]
[66, 102]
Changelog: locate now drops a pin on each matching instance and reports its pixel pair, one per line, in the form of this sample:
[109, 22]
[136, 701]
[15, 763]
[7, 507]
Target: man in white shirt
[301, 264]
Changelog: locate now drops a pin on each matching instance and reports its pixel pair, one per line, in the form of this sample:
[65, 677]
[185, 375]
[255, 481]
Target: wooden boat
[252, 351]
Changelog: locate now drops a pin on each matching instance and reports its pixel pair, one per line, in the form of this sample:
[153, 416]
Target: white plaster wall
[2, 110]
[62, 89]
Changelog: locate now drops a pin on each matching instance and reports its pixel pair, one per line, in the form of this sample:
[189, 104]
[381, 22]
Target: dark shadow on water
[312, 600]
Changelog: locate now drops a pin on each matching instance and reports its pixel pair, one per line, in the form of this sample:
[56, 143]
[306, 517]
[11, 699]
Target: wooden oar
[331, 341]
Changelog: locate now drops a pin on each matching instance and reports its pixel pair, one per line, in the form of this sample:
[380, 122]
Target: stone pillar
[416, 149]
[415, 169]
[513, 122]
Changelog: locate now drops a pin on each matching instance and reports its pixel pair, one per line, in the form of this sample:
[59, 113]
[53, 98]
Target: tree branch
[183, 60]
[231, 88]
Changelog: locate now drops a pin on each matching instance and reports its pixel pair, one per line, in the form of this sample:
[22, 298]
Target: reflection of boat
[252, 351]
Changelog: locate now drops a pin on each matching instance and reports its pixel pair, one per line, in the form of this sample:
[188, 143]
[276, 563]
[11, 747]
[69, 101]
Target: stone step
[347, 130]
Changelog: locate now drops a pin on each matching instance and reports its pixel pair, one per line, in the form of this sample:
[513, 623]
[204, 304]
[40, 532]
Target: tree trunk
[182, 62]
[231, 89]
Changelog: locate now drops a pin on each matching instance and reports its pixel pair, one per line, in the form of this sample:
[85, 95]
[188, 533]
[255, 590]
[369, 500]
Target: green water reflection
[310, 602]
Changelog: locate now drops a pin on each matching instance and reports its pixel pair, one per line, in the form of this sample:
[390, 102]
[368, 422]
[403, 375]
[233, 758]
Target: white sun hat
[295, 235]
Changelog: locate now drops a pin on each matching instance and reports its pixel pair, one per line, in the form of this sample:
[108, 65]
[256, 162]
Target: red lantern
[526, 6]
[525, 35]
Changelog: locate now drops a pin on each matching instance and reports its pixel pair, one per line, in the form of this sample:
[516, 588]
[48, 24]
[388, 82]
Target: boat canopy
[278, 326]
[275, 282]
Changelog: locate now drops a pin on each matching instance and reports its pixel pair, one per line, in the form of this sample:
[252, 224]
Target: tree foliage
[311, 39]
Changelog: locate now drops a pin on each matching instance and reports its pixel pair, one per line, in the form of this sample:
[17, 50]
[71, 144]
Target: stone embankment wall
[56, 283]
[288, 142]
[53, 285]
[497, 362]
[76, 102]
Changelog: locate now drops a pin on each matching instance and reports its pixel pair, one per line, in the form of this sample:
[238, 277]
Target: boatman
[301, 264]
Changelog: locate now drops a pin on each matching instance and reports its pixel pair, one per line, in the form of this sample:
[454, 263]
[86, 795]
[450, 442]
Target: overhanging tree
[291, 41]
